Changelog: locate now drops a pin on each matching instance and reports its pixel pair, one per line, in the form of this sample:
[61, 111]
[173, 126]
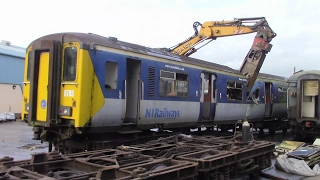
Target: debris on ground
[288, 146]
[298, 159]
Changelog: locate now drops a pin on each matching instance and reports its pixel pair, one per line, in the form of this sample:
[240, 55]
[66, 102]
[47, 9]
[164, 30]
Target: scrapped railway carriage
[84, 87]
[303, 103]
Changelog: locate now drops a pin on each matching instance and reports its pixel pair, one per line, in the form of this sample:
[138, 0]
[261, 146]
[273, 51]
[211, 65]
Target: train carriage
[84, 85]
[303, 103]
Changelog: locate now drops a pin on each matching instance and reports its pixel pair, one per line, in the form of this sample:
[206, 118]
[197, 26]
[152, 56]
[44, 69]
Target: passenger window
[111, 75]
[173, 84]
[234, 90]
[206, 84]
[282, 93]
[70, 64]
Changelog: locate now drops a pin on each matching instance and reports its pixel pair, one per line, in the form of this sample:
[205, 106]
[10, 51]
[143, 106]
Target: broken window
[206, 84]
[111, 75]
[234, 90]
[255, 96]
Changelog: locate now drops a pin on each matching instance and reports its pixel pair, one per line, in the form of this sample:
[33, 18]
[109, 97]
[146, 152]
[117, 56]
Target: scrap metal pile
[310, 154]
[174, 157]
[296, 158]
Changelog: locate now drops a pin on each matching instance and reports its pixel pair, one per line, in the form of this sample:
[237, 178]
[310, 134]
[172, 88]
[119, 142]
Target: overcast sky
[165, 23]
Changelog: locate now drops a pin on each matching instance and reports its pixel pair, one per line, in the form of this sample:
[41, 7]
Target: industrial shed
[11, 77]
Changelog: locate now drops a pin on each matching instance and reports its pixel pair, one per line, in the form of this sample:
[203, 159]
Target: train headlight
[26, 107]
[64, 111]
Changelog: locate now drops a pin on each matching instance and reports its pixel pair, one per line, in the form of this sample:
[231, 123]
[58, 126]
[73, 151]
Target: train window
[111, 75]
[70, 64]
[310, 88]
[234, 90]
[28, 68]
[206, 84]
[173, 84]
[182, 84]
[282, 89]
[167, 74]
[282, 95]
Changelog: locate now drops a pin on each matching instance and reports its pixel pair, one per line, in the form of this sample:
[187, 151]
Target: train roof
[88, 41]
[296, 75]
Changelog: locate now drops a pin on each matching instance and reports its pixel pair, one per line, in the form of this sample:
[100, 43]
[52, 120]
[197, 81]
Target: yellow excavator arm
[213, 29]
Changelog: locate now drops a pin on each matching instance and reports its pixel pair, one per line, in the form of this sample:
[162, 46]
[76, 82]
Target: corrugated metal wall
[11, 69]
[11, 77]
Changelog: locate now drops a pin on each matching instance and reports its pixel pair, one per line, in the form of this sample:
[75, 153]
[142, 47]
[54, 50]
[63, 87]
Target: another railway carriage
[303, 103]
[80, 87]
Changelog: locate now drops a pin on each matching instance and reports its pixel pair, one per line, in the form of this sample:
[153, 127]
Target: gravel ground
[16, 140]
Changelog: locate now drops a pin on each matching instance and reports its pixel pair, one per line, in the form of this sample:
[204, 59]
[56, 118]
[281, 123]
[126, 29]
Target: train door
[207, 98]
[133, 91]
[309, 103]
[45, 80]
[42, 95]
[268, 99]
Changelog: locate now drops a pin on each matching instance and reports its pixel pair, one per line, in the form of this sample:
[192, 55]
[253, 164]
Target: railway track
[173, 157]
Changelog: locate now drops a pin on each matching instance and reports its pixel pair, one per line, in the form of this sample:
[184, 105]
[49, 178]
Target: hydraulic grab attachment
[213, 29]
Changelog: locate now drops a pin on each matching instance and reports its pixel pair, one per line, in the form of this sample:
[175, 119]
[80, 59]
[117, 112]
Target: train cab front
[51, 89]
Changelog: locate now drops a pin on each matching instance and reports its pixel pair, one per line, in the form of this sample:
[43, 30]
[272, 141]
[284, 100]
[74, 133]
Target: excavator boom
[212, 30]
